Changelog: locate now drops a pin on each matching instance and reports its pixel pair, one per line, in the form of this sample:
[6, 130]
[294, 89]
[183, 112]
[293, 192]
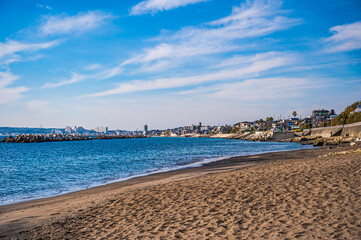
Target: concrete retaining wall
[306, 132]
[326, 131]
[283, 135]
[352, 130]
[347, 130]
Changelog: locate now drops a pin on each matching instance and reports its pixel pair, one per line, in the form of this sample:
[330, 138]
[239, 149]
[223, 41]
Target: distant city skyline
[173, 63]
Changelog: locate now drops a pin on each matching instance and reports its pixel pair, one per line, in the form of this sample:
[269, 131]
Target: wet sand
[303, 194]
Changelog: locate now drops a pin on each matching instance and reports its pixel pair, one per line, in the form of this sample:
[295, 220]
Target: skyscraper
[145, 131]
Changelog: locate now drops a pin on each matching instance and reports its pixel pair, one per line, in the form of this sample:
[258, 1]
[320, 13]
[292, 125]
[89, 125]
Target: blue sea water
[36, 170]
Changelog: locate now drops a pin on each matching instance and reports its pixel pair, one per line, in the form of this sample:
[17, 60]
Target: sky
[169, 63]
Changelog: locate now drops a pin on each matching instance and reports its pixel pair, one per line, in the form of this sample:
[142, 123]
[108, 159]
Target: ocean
[38, 170]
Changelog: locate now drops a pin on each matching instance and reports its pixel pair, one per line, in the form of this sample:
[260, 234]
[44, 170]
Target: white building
[101, 129]
[68, 129]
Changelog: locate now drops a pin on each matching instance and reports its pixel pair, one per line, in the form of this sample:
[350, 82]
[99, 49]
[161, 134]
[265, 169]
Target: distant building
[189, 128]
[174, 134]
[101, 129]
[306, 120]
[205, 128]
[322, 113]
[68, 129]
[199, 127]
[145, 131]
[81, 130]
[319, 116]
[244, 125]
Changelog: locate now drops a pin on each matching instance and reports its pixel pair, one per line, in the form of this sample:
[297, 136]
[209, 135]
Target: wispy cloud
[9, 94]
[74, 79]
[253, 67]
[43, 6]
[250, 20]
[153, 6]
[80, 23]
[11, 47]
[345, 38]
[258, 89]
[247, 23]
[93, 66]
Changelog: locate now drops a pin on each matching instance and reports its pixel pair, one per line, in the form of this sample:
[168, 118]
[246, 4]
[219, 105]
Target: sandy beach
[303, 194]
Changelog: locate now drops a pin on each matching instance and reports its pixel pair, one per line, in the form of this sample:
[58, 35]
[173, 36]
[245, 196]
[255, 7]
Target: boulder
[318, 143]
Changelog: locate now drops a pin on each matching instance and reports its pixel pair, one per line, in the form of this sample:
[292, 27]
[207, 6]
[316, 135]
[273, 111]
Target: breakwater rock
[34, 138]
[119, 137]
[318, 141]
[257, 136]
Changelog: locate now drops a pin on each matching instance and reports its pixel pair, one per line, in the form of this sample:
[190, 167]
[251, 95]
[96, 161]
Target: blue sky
[170, 63]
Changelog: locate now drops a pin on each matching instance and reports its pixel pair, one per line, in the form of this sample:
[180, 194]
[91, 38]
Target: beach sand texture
[309, 198]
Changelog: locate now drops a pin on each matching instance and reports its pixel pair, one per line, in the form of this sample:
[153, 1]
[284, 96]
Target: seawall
[277, 136]
[326, 131]
[347, 130]
[352, 130]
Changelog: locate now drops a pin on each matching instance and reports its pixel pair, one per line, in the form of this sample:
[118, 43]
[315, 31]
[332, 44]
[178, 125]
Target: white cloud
[242, 59]
[80, 23]
[17, 58]
[253, 67]
[345, 38]
[153, 6]
[12, 47]
[109, 73]
[250, 20]
[189, 46]
[9, 94]
[93, 66]
[43, 6]
[74, 79]
[258, 89]
[251, 10]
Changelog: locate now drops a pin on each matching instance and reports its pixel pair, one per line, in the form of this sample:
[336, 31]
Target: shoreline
[194, 164]
[24, 216]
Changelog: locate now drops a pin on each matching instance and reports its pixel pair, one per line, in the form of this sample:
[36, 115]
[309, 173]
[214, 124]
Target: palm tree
[269, 119]
[294, 113]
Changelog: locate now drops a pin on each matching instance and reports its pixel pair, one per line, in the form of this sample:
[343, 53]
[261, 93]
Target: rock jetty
[34, 138]
[257, 136]
[119, 137]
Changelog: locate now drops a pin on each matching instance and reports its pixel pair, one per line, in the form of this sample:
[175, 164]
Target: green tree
[269, 119]
[346, 116]
[306, 126]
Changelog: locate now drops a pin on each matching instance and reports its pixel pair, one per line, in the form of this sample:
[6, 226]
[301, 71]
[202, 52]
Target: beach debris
[356, 151]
